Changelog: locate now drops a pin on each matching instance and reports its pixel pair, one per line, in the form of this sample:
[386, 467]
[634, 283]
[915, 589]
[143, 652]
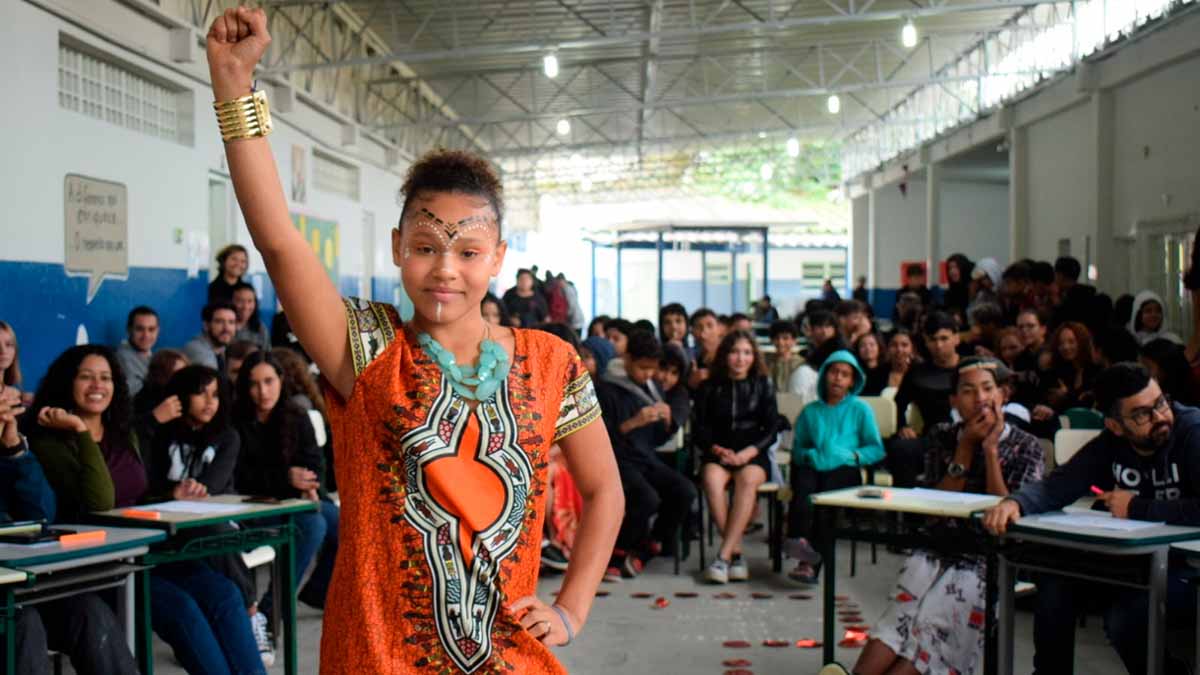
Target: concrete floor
[628, 635]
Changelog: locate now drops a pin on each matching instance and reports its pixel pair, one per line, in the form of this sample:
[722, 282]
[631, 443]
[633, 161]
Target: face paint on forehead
[446, 232]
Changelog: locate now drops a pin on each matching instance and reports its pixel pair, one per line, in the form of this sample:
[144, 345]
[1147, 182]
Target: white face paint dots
[455, 242]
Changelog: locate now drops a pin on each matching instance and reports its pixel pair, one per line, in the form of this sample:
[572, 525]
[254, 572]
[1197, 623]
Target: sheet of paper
[1081, 520]
[206, 508]
[948, 497]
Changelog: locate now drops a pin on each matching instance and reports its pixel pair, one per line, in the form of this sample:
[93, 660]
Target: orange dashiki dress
[442, 505]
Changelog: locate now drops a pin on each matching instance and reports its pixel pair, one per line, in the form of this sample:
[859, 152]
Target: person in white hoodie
[1148, 321]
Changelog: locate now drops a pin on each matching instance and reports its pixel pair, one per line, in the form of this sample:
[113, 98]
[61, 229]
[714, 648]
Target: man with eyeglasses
[1147, 463]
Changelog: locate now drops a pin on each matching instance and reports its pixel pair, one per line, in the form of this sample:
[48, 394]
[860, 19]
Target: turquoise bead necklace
[474, 383]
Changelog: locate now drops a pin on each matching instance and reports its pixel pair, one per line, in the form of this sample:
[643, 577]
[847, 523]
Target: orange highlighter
[144, 515]
[83, 538]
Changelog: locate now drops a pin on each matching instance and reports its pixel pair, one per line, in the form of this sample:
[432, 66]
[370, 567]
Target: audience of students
[1004, 352]
[81, 430]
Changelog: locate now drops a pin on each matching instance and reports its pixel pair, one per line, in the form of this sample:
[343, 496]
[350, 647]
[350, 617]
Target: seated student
[219, 327]
[740, 322]
[1031, 327]
[10, 362]
[932, 623]
[1148, 321]
[200, 444]
[232, 263]
[670, 381]
[871, 358]
[834, 438]
[854, 320]
[986, 321]
[163, 365]
[823, 340]
[280, 458]
[673, 327]
[707, 332]
[135, 352]
[926, 385]
[785, 360]
[735, 423]
[1068, 370]
[596, 327]
[80, 431]
[249, 325]
[618, 331]
[638, 422]
[83, 627]
[901, 356]
[1147, 462]
[1168, 365]
[236, 355]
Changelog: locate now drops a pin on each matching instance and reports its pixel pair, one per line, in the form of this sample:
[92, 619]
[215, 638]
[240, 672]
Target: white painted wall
[1060, 181]
[167, 182]
[899, 230]
[974, 220]
[859, 239]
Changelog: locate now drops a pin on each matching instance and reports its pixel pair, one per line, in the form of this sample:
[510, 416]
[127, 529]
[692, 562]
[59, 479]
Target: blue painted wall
[46, 307]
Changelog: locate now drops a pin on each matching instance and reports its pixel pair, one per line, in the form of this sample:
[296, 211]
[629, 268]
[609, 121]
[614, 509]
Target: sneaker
[612, 575]
[737, 569]
[633, 566]
[717, 572]
[262, 637]
[553, 557]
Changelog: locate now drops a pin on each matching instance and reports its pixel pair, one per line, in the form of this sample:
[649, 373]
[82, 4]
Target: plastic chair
[884, 410]
[1067, 442]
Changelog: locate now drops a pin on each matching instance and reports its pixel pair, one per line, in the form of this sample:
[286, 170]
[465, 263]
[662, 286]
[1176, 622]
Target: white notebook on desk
[1103, 522]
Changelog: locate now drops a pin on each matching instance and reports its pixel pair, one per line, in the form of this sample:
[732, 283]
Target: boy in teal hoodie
[834, 437]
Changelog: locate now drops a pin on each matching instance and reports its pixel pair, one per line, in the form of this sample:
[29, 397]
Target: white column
[933, 207]
[1018, 194]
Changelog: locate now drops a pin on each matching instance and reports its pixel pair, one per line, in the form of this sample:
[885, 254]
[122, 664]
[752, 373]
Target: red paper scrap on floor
[854, 638]
[661, 602]
[776, 643]
[808, 643]
[725, 595]
[735, 644]
[859, 627]
[736, 663]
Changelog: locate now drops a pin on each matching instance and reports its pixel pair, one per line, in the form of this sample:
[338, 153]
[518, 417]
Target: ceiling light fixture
[563, 127]
[908, 35]
[550, 65]
[834, 104]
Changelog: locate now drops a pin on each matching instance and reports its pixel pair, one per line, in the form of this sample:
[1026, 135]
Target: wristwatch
[956, 470]
[14, 450]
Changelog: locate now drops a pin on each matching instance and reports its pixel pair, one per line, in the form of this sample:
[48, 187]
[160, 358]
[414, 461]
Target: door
[1166, 253]
[219, 220]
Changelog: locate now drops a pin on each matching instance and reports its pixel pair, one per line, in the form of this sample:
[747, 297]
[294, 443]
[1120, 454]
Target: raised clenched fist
[235, 45]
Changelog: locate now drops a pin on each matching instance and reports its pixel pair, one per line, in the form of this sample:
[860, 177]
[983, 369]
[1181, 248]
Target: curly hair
[453, 171]
[57, 390]
[720, 364]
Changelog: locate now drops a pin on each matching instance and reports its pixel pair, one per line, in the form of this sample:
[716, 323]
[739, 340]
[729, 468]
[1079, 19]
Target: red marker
[1097, 491]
